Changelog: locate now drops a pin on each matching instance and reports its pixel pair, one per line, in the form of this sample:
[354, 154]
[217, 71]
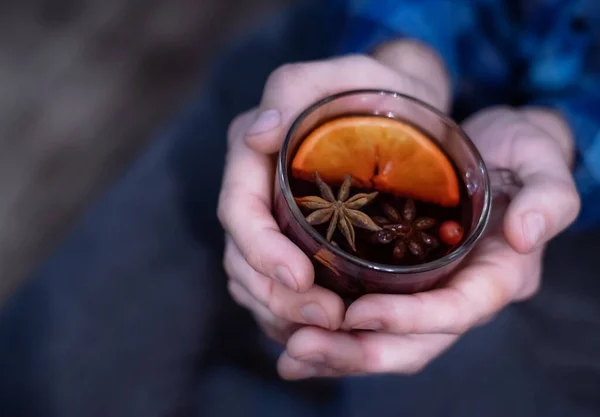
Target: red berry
[451, 233]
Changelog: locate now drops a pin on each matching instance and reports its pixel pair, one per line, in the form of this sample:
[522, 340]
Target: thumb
[548, 201]
[423, 64]
[403, 66]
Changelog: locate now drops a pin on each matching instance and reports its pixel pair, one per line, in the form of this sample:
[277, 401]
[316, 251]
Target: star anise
[343, 212]
[406, 231]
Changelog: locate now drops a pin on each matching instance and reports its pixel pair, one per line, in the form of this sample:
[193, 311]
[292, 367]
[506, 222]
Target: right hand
[268, 274]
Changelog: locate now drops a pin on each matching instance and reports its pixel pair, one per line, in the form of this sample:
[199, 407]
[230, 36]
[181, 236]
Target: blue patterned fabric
[505, 52]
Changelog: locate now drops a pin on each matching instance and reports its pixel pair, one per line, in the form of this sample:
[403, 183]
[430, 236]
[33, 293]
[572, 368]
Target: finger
[549, 201]
[261, 313]
[317, 306]
[495, 276]
[292, 369]
[245, 212]
[358, 353]
[274, 327]
[276, 334]
[553, 123]
[294, 87]
[413, 58]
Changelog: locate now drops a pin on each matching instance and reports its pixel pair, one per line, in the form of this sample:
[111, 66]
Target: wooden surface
[83, 85]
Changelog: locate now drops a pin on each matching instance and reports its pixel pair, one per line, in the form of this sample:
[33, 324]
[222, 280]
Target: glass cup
[348, 275]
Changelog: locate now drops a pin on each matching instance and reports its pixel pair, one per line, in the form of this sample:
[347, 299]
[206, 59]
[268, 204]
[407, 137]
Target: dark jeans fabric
[130, 316]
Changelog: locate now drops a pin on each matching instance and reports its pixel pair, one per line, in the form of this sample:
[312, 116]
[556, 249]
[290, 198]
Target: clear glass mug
[348, 275]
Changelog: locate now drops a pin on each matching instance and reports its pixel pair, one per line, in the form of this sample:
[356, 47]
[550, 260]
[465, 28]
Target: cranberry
[451, 233]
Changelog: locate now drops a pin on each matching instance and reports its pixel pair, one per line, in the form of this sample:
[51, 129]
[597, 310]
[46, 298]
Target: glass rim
[439, 263]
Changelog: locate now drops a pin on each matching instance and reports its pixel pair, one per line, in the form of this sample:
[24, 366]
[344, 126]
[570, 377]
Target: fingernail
[283, 275]
[267, 120]
[369, 325]
[314, 315]
[314, 358]
[534, 227]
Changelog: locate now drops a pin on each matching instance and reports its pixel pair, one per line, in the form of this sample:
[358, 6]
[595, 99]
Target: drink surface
[408, 227]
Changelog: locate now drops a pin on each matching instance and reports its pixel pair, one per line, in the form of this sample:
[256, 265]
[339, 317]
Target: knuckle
[463, 312]
[486, 320]
[263, 290]
[493, 297]
[492, 127]
[572, 200]
[560, 197]
[400, 48]
[357, 60]
[278, 335]
[233, 195]
[529, 138]
[501, 118]
[496, 299]
[413, 47]
[234, 127]
[462, 326]
[254, 257]
[278, 306]
[412, 321]
[500, 125]
[530, 289]
[228, 260]
[524, 136]
[562, 187]
[414, 367]
[418, 60]
[464, 322]
[225, 198]
[236, 294]
[263, 315]
[531, 282]
[232, 290]
[501, 112]
[567, 190]
[227, 267]
[289, 75]
[285, 75]
[575, 207]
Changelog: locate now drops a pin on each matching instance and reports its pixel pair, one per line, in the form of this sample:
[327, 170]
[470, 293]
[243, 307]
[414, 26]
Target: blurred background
[84, 84]
[113, 117]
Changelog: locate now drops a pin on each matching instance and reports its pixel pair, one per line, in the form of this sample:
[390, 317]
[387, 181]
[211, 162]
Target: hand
[267, 273]
[408, 331]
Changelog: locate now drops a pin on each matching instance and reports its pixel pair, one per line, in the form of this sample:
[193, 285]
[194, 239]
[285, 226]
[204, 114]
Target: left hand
[409, 331]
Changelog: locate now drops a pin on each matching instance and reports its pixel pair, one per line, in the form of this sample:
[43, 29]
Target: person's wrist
[417, 60]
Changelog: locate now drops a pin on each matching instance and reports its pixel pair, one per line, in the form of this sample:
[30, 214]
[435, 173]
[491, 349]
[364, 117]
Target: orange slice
[380, 153]
[340, 147]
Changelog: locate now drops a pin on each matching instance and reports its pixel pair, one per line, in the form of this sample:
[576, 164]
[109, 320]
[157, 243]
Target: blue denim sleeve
[564, 75]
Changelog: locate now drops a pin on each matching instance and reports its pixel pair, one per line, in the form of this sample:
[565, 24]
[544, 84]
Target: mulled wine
[380, 189]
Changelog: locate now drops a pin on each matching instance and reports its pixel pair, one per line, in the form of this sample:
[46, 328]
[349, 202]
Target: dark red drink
[382, 192]
[386, 210]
